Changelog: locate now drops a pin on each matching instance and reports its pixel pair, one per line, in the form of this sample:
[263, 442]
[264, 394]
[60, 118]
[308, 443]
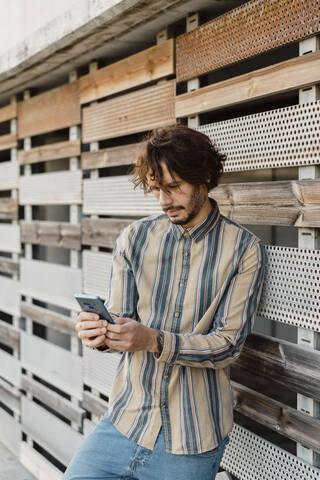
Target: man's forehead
[167, 176]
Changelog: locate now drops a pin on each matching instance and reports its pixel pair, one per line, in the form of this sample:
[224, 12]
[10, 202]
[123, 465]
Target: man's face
[180, 200]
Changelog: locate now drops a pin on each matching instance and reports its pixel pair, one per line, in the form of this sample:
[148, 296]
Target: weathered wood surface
[134, 112]
[8, 112]
[33, 461]
[94, 404]
[10, 396]
[9, 175]
[53, 151]
[8, 266]
[280, 78]
[53, 110]
[48, 318]
[9, 296]
[8, 141]
[143, 67]
[9, 335]
[9, 238]
[52, 399]
[110, 157]
[295, 202]
[8, 208]
[284, 363]
[58, 234]
[287, 421]
[102, 232]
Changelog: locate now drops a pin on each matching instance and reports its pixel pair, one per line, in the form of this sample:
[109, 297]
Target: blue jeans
[107, 454]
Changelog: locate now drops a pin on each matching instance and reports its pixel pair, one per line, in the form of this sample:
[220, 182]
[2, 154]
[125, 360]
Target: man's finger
[97, 342]
[91, 333]
[87, 325]
[83, 316]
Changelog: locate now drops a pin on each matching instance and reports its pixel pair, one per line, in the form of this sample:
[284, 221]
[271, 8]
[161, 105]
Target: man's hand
[127, 335]
[91, 329]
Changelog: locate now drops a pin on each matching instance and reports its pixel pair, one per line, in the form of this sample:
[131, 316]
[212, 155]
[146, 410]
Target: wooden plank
[280, 78]
[53, 151]
[41, 468]
[102, 232]
[10, 368]
[292, 366]
[143, 67]
[8, 208]
[110, 157]
[99, 369]
[58, 234]
[88, 427]
[9, 175]
[49, 431]
[9, 266]
[8, 141]
[48, 318]
[53, 110]
[57, 188]
[96, 272]
[94, 404]
[8, 112]
[52, 367]
[50, 283]
[53, 400]
[277, 416]
[9, 296]
[9, 238]
[10, 396]
[9, 335]
[10, 432]
[134, 112]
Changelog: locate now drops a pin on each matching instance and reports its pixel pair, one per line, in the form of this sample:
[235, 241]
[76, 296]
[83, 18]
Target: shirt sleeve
[233, 320]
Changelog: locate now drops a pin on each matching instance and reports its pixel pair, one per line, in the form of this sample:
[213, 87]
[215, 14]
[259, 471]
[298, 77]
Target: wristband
[160, 341]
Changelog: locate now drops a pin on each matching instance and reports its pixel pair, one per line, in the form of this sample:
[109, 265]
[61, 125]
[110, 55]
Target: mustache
[173, 208]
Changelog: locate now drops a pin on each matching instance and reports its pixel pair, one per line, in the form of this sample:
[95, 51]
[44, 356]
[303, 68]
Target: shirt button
[177, 314]
[163, 405]
[165, 376]
[186, 254]
[181, 284]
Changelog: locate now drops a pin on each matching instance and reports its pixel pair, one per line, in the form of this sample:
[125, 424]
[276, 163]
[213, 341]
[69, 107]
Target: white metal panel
[100, 369]
[52, 363]
[58, 188]
[9, 175]
[10, 432]
[9, 296]
[96, 272]
[49, 431]
[116, 196]
[10, 368]
[33, 461]
[88, 427]
[51, 283]
[9, 238]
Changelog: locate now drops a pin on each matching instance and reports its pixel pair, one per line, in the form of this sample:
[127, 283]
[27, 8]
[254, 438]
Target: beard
[196, 202]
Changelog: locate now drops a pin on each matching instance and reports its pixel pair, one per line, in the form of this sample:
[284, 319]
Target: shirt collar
[198, 231]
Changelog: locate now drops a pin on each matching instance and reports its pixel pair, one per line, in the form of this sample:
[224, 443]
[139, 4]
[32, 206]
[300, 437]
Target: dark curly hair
[185, 151]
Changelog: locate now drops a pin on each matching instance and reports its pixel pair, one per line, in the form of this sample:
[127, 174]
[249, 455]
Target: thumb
[122, 320]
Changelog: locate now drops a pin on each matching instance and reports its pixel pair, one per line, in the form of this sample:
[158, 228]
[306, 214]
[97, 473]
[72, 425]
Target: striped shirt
[202, 287]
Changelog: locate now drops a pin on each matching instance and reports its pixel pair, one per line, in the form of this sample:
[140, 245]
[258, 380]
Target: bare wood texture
[102, 232]
[59, 234]
[53, 400]
[8, 208]
[110, 157]
[143, 67]
[8, 141]
[294, 367]
[9, 395]
[277, 416]
[8, 112]
[53, 151]
[282, 77]
[52, 110]
[7, 265]
[94, 404]
[9, 335]
[292, 202]
[48, 318]
[131, 113]
[275, 24]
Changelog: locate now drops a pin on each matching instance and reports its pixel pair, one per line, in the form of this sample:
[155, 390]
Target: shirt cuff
[170, 348]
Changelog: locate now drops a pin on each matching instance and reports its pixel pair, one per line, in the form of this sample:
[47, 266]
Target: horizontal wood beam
[10, 395]
[8, 112]
[8, 208]
[280, 78]
[8, 141]
[94, 404]
[102, 232]
[53, 151]
[7, 265]
[48, 318]
[9, 335]
[58, 234]
[110, 157]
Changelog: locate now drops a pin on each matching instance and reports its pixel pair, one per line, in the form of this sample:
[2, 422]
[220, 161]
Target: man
[184, 292]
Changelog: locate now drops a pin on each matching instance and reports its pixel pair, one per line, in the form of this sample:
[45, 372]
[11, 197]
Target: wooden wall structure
[248, 79]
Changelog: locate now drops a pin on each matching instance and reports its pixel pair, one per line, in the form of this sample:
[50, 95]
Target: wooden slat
[57, 188]
[9, 296]
[280, 78]
[10, 432]
[41, 468]
[53, 151]
[8, 141]
[99, 369]
[50, 283]
[9, 175]
[8, 266]
[94, 404]
[8, 112]
[52, 367]
[58, 234]
[49, 319]
[10, 396]
[9, 335]
[53, 110]
[284, 363]
[88, 427]
[102, 232]
[131, 113]
[9, 238]
[292, 202]
[53, 400]
[277, 416]
[96, 272]
[9, 368]
[143, 67]
[110, 157]
[8, 209]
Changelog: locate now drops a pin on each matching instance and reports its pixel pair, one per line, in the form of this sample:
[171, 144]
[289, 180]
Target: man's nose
[164, 198]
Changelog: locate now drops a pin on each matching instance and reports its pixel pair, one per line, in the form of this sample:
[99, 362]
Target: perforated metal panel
[252, 28]
[291, 291]
[250, 457]
[278, 138]
[100, 369]
[96, 272]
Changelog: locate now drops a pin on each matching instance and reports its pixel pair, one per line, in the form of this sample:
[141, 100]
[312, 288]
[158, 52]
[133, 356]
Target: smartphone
[94, 304]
